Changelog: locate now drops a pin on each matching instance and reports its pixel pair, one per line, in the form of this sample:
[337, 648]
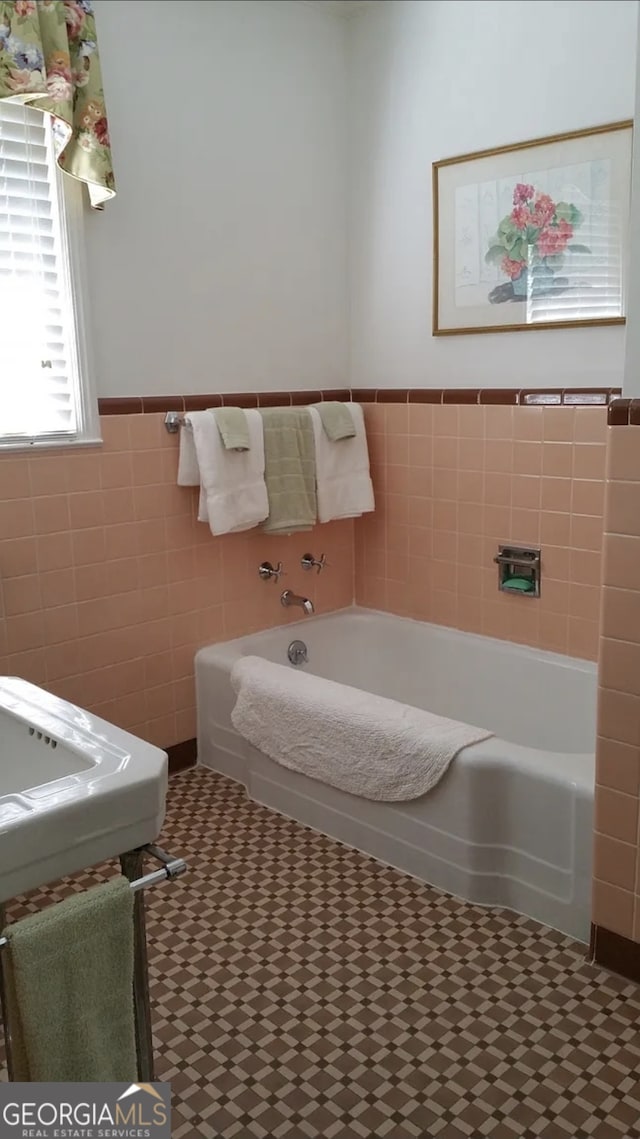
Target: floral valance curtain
[49, 58]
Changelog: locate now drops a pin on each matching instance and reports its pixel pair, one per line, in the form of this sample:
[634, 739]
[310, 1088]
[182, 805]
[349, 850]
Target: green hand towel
[233, 427]
[337, 420]
[290, 469]
[69, 981]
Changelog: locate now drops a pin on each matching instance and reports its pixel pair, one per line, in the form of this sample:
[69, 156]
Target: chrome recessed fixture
[519, 570]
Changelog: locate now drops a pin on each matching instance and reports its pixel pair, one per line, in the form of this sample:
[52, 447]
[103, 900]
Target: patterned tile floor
[301, 989]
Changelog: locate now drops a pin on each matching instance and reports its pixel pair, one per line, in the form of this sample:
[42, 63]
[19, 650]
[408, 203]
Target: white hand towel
[344, 484]
[233, 493]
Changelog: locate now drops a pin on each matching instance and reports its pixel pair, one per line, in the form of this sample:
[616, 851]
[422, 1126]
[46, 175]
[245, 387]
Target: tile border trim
[545, 397]
[624, 413]
[615, 952]
[181, 756]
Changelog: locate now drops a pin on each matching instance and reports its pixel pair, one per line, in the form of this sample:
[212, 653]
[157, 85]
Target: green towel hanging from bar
[69, 982]
[337, 420]
[233, 428]
[290, 469]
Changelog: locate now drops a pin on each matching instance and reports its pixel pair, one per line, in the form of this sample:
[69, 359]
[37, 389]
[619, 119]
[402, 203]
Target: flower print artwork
[533, 235]
[530, 245]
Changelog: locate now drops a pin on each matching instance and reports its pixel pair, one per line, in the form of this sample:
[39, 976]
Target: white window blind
[43, 395]
[589, 285]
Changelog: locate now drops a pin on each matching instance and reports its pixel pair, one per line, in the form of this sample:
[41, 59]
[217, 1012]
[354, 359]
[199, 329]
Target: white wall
[221, 264]
[435, 78]
[631, 384]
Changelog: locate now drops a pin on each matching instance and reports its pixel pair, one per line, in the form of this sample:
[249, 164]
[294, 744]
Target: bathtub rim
[529, 652]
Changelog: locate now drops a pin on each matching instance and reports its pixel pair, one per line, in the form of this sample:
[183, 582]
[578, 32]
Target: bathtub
[510, 824]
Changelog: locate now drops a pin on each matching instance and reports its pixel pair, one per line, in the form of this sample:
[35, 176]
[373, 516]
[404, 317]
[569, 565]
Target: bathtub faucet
[290, 598]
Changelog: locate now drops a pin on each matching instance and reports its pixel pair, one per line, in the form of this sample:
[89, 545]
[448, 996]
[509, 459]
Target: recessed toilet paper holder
[519, 570]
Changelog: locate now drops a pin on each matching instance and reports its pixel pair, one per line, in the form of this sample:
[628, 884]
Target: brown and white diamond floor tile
[301, 989]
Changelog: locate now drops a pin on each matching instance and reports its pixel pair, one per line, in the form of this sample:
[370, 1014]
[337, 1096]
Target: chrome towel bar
[173, 421]
[171, 868]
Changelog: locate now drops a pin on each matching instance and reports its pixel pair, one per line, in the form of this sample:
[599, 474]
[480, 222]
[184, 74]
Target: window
[45, 398]
[589, 285]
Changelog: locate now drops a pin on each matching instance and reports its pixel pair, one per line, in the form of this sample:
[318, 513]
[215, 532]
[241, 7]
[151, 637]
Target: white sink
[73, 788]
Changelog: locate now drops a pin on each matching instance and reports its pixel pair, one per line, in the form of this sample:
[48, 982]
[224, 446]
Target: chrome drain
[297, 653]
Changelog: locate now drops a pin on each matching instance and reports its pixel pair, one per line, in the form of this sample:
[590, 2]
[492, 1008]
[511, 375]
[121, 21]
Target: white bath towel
[188, 469]
[233, 493]
[344, 484]
[364, 744]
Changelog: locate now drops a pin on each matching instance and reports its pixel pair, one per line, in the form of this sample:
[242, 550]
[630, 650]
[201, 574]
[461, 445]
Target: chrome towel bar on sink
[171, 868]
[131, 865]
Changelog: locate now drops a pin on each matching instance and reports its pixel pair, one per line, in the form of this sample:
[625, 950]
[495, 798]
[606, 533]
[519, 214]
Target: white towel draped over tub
[367, 745]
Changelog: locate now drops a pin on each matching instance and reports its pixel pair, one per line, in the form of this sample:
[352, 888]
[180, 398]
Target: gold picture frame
[504, 229]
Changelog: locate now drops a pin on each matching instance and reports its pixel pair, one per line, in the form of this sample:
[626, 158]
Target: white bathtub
[511, 822]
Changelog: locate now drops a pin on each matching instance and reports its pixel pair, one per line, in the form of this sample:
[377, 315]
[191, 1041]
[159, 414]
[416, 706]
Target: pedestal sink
[74, 789]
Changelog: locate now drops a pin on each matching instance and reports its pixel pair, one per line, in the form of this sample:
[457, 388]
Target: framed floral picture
[533, 235]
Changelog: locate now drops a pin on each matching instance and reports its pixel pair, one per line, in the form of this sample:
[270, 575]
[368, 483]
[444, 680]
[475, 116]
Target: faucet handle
[267, 572]
[308, 562]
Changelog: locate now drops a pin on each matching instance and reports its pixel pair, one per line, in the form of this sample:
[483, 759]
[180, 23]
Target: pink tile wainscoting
[454, 481]
[108, 585]
[616, 900]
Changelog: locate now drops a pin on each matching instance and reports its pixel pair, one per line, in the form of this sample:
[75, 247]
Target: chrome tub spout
[290, 598]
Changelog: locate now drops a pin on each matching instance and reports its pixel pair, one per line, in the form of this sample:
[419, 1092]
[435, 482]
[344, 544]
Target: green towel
[337, 420]
[69, 981]
[289, 469]
[233, 427]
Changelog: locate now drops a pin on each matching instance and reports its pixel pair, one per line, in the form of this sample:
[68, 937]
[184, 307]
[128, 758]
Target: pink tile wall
[616, 899]
[108, 586]
[452, 482]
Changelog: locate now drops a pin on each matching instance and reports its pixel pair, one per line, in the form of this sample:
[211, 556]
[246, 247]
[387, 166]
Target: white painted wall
[221, 265]
[435, 78]
[631, 383]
